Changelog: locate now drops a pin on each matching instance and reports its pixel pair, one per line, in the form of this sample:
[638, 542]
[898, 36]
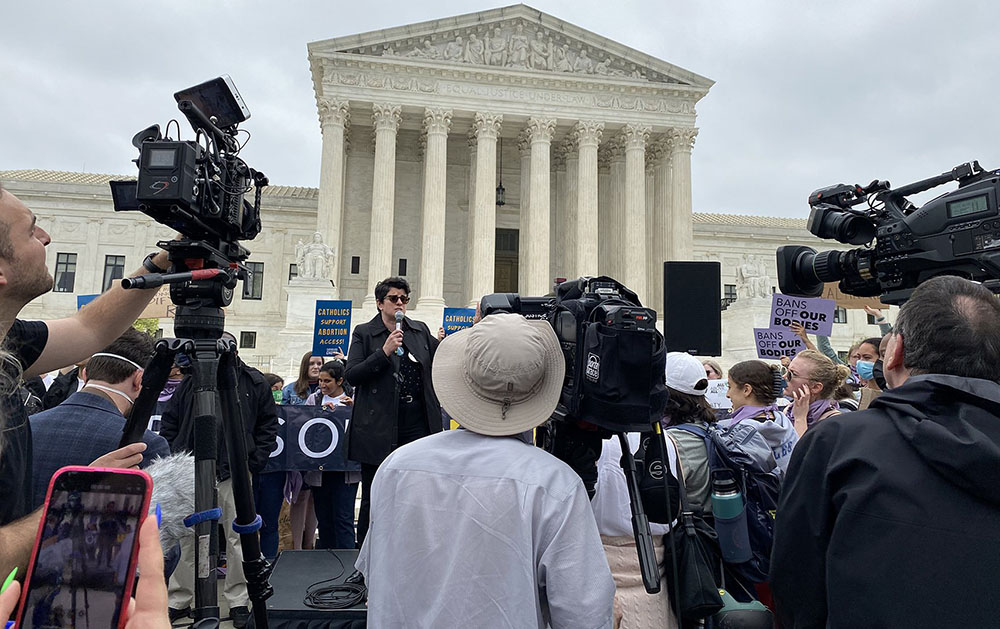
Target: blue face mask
[866, 369]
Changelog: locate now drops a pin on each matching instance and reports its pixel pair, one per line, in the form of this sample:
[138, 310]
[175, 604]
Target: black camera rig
[957, 233]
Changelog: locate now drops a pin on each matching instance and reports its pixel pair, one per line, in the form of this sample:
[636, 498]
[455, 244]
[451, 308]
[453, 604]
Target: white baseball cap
[685, 373]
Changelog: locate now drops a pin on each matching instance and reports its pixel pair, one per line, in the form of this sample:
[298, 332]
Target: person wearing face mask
[89, 422]
[334, 492]
[888, 517]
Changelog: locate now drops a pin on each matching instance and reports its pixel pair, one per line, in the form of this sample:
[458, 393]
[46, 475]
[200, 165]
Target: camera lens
[835, 223]
[802, 271]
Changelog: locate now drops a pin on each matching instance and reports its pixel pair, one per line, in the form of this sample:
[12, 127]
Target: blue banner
[311, 438]
[83, 300]
[456, 319]
[332, 331]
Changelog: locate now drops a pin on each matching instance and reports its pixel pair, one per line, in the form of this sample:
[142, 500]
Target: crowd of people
[887, 463]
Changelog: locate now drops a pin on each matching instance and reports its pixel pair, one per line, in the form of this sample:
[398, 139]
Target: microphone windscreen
[399, 316]
[173, 490]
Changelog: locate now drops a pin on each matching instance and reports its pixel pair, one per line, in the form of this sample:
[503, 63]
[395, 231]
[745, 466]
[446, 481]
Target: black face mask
[879, 376]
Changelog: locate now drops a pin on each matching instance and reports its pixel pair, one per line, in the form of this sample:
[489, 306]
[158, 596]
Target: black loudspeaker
[692, 307]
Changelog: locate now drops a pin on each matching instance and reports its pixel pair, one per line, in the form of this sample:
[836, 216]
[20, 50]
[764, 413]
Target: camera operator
[476, 527]
[889, 515]
[37, 347]
[388, 412]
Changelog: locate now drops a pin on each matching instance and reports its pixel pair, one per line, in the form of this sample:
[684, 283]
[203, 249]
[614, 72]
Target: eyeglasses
[398, 299]
[791, 375]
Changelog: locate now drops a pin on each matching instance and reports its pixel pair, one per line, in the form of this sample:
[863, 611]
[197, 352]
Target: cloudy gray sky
[807, 94]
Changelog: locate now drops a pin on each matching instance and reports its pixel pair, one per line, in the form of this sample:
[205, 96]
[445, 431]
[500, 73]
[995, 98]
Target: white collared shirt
[476, 531]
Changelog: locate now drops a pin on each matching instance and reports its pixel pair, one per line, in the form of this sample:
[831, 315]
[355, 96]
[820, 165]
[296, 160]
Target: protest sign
[333, 327]
[815, 315]
[843, 300]
[311, 438]
[773, 344]
[716, 395]
[456, 319]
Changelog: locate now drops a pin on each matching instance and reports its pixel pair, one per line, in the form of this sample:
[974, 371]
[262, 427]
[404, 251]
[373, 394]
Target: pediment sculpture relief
[516, 46]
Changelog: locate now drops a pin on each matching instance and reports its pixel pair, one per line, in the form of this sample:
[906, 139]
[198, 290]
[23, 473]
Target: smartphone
[83, 563]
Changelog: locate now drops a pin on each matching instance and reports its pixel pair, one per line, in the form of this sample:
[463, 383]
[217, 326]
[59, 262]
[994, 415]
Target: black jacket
[260, 420]
[372, 433]
[65, 385]
[890, 517]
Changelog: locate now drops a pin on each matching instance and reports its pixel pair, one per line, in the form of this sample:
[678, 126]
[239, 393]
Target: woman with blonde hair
[813, 380]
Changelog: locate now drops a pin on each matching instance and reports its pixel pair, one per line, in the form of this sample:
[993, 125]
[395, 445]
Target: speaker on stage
[692, 307]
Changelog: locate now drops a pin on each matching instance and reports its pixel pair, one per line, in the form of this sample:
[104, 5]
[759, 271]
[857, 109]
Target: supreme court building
[424, 128]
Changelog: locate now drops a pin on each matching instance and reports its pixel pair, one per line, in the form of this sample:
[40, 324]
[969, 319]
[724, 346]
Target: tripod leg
[205, 366]
[256, 569]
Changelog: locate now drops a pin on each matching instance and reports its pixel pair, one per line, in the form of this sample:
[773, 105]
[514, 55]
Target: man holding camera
[36, 347]
[888, 517]
[477, 527]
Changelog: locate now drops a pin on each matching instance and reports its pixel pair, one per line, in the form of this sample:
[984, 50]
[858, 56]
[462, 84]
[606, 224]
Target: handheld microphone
[399, 326]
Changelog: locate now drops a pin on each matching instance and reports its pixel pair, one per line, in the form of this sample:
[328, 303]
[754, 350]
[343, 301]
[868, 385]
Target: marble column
[616, 212]
[535, 242]
[436, 125]
[681, 229]
[560, 213]
[335, 116]
[652, 275]
[604, 208]
[386, 119]
[588, 229]
[634, 138]
[470, 217]
[662, 244]
[524, 185]
[483, 261]
[570, 222]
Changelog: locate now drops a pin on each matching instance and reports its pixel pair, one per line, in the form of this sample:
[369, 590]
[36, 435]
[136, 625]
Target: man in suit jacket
[386, 417]
[90, 422]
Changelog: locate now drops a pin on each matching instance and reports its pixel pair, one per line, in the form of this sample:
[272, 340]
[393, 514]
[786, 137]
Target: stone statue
[517, 50]
[584, 63]
[454, 50]
[496, 49]
[428, 51]
[560, 59]
[314, 260]
[604, 67]
[540, 51]
[475, 50]
[752, 280]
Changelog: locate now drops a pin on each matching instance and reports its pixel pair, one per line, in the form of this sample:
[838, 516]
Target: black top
[25, 340]
[890, 517]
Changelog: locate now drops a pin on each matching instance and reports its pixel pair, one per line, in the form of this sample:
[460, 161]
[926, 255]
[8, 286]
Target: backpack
[744, 453]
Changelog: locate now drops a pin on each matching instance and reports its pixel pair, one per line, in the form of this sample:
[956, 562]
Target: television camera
[957, 233]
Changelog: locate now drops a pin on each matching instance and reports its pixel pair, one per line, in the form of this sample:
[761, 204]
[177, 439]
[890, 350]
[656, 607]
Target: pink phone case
[133, 552]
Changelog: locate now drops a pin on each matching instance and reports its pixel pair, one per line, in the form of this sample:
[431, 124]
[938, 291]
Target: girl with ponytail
[753, 390]
[813, 380]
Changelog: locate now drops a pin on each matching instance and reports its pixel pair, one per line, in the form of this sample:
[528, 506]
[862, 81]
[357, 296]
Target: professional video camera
[614, 355]
[957, 233]
[196, 187]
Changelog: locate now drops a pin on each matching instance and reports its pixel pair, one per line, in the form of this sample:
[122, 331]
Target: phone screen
[83, 557]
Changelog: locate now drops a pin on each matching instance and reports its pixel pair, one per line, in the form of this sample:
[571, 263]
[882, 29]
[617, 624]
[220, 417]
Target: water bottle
[730, 519]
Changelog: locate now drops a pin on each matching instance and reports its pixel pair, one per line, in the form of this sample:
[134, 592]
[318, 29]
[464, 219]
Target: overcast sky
[807, 94]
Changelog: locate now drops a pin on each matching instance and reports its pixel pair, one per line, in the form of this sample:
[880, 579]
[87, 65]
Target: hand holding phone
[83, 562]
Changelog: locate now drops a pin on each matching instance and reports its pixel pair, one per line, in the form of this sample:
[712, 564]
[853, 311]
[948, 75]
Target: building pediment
[512, 39]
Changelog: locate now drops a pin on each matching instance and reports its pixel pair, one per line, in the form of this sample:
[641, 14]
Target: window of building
[402, 267]
[355, 265]
[253, 287]
[871, 320]
[114, 269]
[65, 273]
[729, 292]
[840, 315]
[248, 340]
[293, 271]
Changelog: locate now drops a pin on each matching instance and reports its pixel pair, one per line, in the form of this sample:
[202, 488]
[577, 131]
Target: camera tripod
[201, 285]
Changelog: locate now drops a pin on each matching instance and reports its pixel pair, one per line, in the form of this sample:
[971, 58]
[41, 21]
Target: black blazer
[373, 431]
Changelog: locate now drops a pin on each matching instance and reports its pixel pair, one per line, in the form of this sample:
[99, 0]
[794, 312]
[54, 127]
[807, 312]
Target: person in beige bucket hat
[474, 528]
